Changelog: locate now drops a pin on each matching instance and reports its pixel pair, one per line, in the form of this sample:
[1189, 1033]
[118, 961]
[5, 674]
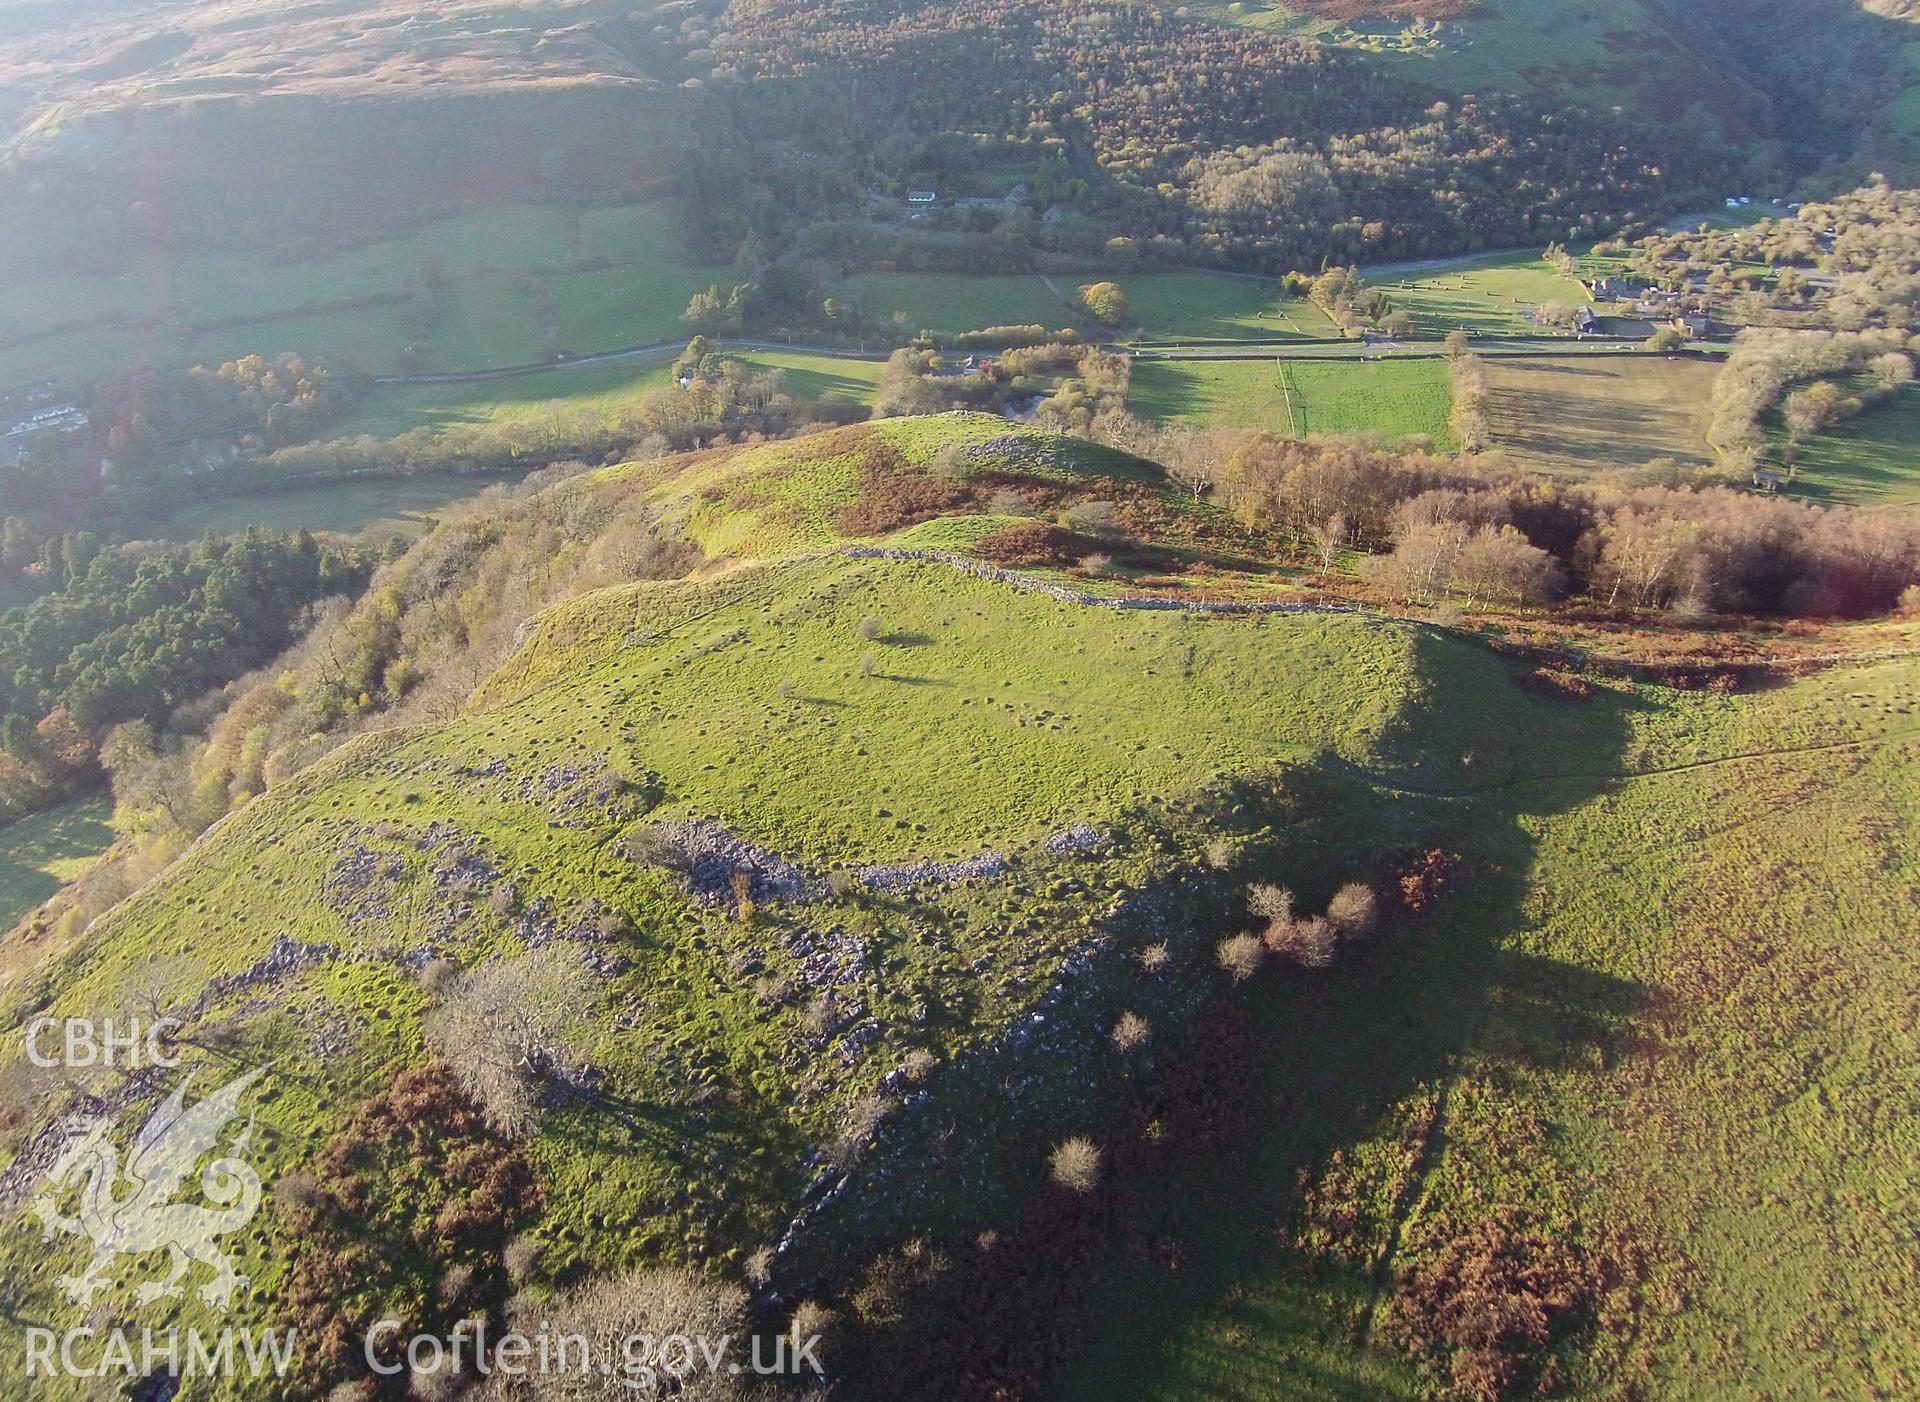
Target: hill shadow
[1342, 1052]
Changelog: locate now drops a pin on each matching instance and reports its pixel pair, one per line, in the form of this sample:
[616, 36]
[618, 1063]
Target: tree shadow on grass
[738, 1148]
[34, 848]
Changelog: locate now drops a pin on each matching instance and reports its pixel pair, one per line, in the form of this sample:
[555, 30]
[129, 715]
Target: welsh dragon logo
[128, 1210]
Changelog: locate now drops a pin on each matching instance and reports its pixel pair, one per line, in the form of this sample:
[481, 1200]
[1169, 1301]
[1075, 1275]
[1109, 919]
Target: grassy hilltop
[823, 825]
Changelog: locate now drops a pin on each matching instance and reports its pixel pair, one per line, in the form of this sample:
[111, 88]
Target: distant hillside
[251, 125]
[1764, 72]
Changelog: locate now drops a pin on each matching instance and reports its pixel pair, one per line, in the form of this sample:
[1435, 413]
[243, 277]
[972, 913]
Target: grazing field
[1873, 460]
[207, 287]
[375, 506]
[40, 853]
[1217, 306]
[1721, 217]
[461, 292]
[486, 322]
[585, 389]
[949, 302]
[1161, 306]
[634, 305]
[1394, 398]
[1667, 1027]
[76, 358]
[372, 340]
[1486, 297]
[1601, 412]
[815, 376]
[393, 409]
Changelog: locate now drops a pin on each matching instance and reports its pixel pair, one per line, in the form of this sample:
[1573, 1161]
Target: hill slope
[856, 850]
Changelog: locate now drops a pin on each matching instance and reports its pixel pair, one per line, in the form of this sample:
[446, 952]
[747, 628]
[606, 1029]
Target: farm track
[1432, 1144]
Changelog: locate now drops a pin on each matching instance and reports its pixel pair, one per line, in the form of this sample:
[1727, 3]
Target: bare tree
[1131, 1032]
[1269, 902]
[1239, 955]
[952, 460]
[622, 1321]
[513, 1026]
[1308, 943]
[1329, 537]
[1075, 1164]
[1353, 910]
[1499, 564]
[1892, 369]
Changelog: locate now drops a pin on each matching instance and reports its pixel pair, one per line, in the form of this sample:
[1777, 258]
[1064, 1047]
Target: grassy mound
[871, 480]
[749, 705]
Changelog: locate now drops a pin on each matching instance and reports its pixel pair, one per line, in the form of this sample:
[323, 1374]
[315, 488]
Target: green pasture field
[368, 340]
[814, 376]
[1394, 398]
[950, 302]
[1204, 306]
[389, 410]
[1484, 298]
[1872, 460]
[375, 506]
[1641, 1032]
[634, 305]
[43, 851]
[1163, 306]
[207, 307]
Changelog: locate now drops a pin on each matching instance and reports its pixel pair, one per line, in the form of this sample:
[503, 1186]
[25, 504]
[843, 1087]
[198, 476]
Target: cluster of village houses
[1642, 307]
[921, 204]
[36, 409]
